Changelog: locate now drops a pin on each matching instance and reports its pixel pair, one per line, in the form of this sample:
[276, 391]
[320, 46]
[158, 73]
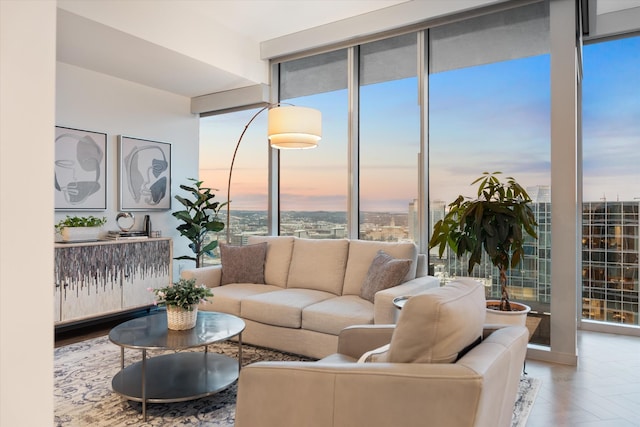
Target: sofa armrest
[384, 311]
[209, 276]
[422, 269]
[316, 394]
[356, 340]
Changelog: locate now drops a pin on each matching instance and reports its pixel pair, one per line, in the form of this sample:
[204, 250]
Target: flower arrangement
[183, 294]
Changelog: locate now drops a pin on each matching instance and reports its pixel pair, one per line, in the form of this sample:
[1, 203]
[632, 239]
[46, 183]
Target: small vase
[179, 319]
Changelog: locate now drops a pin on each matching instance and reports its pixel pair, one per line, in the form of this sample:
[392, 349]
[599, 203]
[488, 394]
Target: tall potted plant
[199, 217]
[493, 222]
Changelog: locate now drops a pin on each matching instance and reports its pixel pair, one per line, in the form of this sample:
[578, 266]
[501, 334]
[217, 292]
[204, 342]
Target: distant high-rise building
[540, 193]
[610, 261]
[414, 220]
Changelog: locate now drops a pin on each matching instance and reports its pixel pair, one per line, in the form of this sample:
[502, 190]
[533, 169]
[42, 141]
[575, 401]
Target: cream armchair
[430, 373]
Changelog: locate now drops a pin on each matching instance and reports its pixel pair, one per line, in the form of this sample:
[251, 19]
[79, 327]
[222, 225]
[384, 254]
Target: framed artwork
[80, 179]
[145, 174]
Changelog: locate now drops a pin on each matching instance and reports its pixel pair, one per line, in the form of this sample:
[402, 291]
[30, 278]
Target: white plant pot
[80, 234]
[516, 317]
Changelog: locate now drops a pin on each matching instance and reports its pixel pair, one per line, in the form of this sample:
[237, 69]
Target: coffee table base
[176, 377]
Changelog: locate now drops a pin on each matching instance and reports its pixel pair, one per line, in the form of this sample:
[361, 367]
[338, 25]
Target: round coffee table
[178, 376]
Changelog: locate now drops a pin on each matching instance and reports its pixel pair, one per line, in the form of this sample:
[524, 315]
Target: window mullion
[353, 195]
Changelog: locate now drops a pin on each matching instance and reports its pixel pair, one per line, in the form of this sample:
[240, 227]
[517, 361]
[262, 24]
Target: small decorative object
[79, 228]
[494, 222]
[199, 218]
[147, 225]
[182, 299]
[125, 221]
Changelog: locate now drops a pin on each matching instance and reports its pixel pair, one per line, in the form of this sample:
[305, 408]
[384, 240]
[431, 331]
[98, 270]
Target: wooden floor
[602, 391]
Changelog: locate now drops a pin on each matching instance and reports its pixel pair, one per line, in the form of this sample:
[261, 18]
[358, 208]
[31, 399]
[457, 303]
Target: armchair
[432, 374]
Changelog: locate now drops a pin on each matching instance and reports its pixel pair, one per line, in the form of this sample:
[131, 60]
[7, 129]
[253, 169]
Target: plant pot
[80, 234]
[518, 315]
[179, 319]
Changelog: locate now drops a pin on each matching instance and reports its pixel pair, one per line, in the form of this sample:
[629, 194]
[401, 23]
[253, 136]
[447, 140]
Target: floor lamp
[289, 127]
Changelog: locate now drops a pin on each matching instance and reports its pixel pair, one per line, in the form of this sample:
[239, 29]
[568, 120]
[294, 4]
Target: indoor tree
[493, 222]
[199, 217]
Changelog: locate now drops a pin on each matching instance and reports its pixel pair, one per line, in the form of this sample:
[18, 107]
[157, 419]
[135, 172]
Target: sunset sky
[489, 117]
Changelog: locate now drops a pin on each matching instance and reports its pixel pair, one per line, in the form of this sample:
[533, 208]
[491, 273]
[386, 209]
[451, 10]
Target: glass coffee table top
[151, 332]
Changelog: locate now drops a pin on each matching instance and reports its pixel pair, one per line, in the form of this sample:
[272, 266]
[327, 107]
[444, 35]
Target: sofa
[296, 295]
[439, 366]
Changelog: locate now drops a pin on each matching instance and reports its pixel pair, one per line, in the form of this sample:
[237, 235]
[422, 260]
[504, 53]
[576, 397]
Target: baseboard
[544, 354]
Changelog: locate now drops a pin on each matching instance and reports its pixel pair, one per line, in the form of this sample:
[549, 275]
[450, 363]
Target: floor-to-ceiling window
[611, 184]
[249, 187]
[314, 183]
[389, 139]
[489, 110]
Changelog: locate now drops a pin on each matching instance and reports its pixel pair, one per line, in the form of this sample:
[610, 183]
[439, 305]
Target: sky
[493, 117]
[611, 120]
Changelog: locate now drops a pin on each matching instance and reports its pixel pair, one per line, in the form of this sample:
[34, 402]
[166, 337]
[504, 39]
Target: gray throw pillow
[243, 264]
[384, 272]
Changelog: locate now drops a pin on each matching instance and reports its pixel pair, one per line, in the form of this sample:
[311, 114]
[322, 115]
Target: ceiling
[189, 47]
[198, 47]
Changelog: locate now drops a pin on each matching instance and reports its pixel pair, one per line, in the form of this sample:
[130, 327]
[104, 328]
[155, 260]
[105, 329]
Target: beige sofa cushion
[361, 254]
[281, 308]
[333, 315]
[384, 272]
[278, 259]
[435, 325]
[242, 264]
[227, 299]
[318, 264]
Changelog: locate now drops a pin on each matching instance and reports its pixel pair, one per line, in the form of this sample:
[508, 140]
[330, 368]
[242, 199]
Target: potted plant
[493, 222]
[80, 228]
[182, 299]
[199, 217]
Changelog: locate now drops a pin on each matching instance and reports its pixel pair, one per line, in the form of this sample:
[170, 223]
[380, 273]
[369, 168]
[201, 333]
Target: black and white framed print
[145, 174]
[80, 179]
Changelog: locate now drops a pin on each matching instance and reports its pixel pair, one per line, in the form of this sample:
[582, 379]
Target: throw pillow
[384, 272]
[243, 264]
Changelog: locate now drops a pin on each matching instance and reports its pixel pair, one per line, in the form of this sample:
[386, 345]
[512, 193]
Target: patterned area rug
[83, 395]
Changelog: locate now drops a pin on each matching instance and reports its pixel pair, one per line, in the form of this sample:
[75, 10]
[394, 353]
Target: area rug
[83, 395]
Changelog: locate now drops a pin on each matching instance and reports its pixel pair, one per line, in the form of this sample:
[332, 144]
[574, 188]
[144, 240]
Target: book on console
[123, 235]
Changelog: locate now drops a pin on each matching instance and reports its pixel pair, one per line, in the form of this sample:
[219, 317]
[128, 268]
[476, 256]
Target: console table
[107, 277]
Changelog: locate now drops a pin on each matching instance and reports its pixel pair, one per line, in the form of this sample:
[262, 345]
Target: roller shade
[326, 72]
[389, 59]
[510, 34]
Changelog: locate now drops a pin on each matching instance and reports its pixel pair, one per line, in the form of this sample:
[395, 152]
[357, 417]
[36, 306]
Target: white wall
[97, 102]
[27, 91]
